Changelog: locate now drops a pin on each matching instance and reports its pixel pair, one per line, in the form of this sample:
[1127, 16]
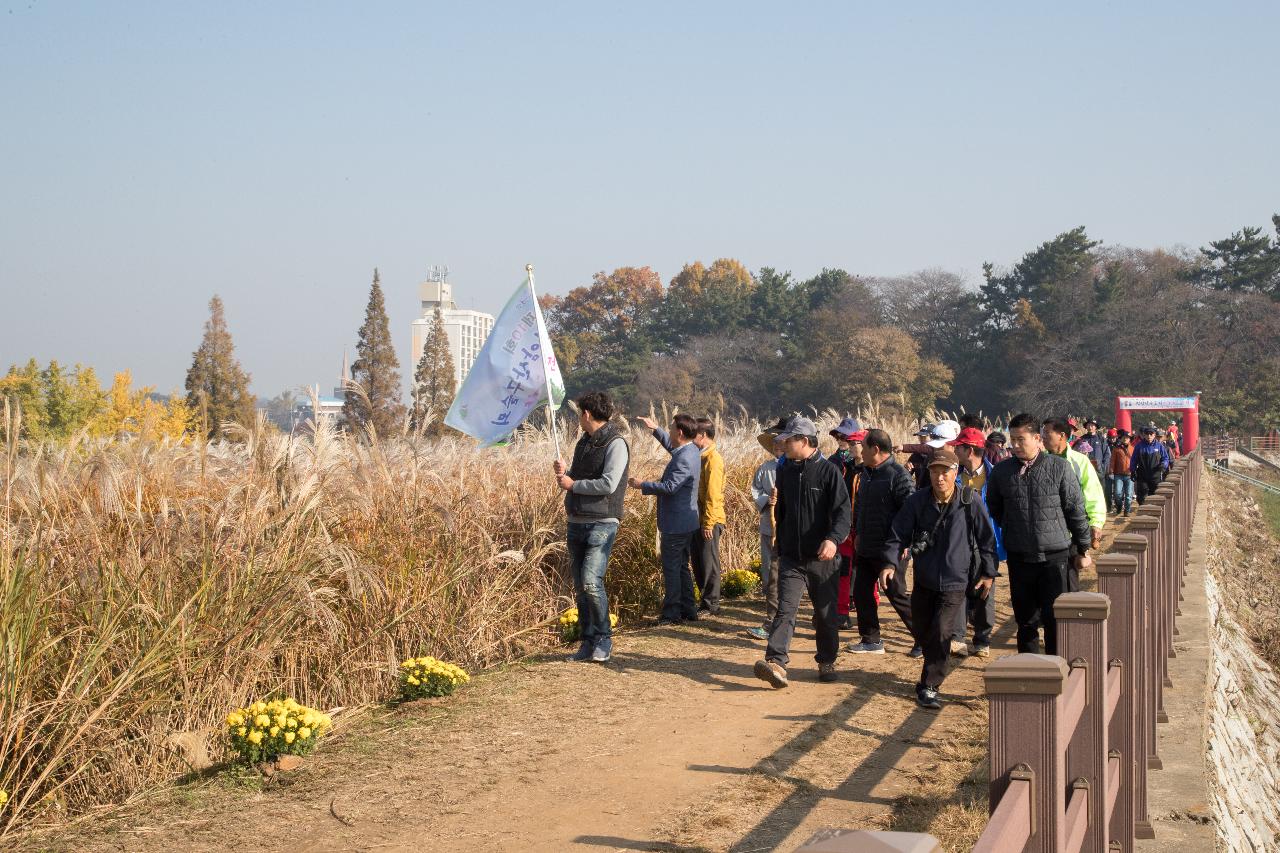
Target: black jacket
[1041, 511]
[881, 493]
[813, 506]
[964, 528]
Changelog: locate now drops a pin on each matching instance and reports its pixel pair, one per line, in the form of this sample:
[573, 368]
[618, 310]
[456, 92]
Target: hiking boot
[959, 649]
[982, 651]
[865, 648]
[758, 633]
[602, 652]
[826, 672]
[583, 653]
[927, 697]
[916, 652]
[771, 672]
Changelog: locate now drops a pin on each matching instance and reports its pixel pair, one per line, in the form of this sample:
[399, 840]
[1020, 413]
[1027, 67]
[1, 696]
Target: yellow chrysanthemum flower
[304, 732]
[255, 737]
[289, 736]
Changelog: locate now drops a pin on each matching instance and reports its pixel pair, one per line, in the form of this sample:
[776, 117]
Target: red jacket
[1119, 461]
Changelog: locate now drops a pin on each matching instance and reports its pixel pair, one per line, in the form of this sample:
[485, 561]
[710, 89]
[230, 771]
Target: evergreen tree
[217, 387]
[433, 380]
[1246, 262]
[376, 370]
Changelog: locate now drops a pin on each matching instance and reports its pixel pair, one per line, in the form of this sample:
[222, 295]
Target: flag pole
[546, 377]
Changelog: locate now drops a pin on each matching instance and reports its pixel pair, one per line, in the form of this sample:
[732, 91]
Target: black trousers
[821, 578]
[981, 614]
[1034, 586]
[1144, 488]
[865, 574]
[934, 614]
[704, 553]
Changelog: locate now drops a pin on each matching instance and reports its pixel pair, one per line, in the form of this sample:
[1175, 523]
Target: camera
[921, 542]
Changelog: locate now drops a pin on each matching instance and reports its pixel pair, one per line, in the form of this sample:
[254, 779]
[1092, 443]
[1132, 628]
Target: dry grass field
[149, 586]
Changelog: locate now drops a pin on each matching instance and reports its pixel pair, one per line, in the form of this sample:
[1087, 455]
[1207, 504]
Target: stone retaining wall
[1243, 717]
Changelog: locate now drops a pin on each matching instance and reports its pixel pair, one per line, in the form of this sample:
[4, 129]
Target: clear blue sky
[153, 154]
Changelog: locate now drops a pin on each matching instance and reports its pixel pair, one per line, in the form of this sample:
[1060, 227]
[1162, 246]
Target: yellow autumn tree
[136, 412]
[709, 299]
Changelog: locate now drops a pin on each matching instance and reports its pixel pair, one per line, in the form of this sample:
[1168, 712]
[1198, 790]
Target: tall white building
[467, 330]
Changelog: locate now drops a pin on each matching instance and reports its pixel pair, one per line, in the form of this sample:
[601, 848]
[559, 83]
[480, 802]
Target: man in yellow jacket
[1056, 434]
[706, 549]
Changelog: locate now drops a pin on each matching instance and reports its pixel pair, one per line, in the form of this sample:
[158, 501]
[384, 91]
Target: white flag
[511, 375]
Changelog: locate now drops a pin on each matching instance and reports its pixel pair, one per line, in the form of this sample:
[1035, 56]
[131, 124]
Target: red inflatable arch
[1189, 406]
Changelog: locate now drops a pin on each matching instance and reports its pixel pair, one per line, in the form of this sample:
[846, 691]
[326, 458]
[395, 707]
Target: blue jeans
[1123, 499]
[677, 581]
[590, 544]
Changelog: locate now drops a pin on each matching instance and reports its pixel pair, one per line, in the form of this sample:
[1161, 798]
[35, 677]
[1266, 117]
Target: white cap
[944, 431]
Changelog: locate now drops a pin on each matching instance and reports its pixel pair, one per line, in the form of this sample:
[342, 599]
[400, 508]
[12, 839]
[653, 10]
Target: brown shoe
[826, 672]
[772, 673]
[959, 649]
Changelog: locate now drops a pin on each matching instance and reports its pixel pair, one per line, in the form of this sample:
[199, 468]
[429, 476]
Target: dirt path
[672, 746]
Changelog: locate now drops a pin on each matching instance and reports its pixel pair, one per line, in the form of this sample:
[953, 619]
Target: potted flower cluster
[275, 735]
[736, 583]
[571, 631]
[427, 677]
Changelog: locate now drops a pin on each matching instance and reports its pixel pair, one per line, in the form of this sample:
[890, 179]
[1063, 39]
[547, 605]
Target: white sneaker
[959, 649]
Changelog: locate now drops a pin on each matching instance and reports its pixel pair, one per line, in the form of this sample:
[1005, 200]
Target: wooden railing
[1269, 443]
[1073, 736]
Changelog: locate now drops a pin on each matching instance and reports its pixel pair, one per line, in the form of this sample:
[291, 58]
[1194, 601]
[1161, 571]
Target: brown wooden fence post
[1082, 642]
[1023, 692]
[1153, 522]
[1142, 674]
[1118, 580]
[1173, 553]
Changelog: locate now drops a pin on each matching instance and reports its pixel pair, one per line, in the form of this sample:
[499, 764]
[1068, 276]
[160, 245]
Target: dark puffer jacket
[1041, 511]
[881, 493]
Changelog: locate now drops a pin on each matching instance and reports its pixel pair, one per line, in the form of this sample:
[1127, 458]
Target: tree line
[1064, 329]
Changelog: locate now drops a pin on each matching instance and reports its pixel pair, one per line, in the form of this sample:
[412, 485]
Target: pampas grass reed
[148, 586]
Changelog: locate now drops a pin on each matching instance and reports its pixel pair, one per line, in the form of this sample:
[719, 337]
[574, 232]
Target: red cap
[970, 437]
[1113, 432]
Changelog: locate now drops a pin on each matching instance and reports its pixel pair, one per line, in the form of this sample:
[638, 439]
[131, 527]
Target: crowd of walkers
[843, 528]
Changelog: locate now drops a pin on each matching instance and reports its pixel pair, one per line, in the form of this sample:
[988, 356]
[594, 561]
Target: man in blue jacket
[678, 522]
[953, 548]
[1148, 464]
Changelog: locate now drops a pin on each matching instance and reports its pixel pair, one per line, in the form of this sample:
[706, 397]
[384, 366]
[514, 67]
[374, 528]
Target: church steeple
[341, 391]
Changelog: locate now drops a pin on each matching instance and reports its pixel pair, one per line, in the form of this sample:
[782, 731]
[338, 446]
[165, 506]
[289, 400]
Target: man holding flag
[594, 487]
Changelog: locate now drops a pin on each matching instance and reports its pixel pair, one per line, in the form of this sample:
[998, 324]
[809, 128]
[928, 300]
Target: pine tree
[376, 370]
[433, 381]
[217, 387]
